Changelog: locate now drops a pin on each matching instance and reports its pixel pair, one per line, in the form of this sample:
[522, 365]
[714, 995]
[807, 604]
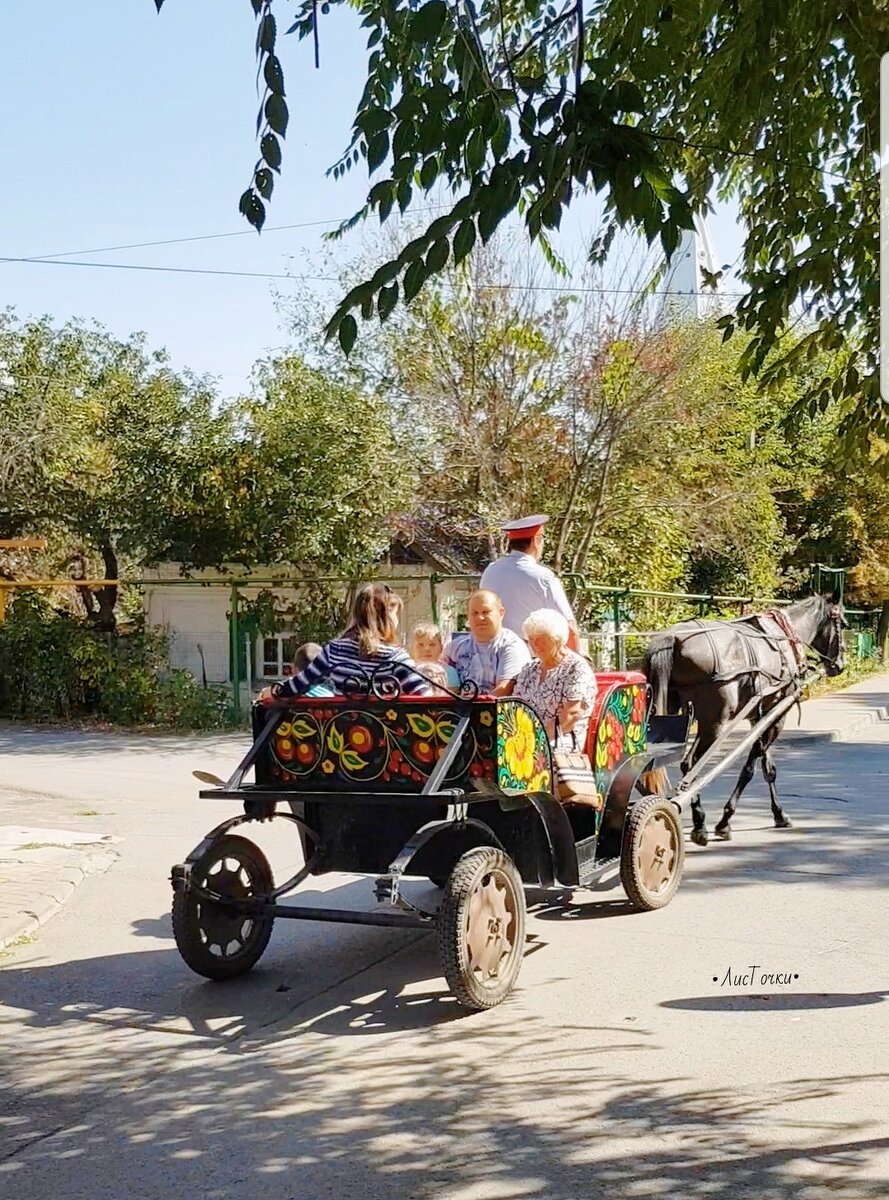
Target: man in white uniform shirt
[523, 583]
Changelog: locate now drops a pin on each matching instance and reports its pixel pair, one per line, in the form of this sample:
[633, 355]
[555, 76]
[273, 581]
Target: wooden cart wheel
[481, 928]
[652, 853]
[215, 940]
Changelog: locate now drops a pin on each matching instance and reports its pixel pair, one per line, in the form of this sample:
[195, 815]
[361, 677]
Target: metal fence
[617, 623]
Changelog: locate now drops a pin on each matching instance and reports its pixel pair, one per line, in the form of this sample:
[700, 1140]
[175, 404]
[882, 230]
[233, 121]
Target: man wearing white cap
[523, 583]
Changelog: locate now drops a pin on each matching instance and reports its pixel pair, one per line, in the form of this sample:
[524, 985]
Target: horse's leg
[699, 833]
[703, 742]
[723, 829]
[769, 772]
[714, 707]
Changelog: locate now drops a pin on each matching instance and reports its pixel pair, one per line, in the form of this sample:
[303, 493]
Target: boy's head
[426, 643]
[304, 654]
[434, 672]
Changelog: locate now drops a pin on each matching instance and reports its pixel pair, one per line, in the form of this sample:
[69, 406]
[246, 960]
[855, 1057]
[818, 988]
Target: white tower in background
[686, 294]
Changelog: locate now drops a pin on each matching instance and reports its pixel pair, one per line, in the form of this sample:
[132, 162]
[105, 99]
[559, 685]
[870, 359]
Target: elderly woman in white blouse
[559, 684]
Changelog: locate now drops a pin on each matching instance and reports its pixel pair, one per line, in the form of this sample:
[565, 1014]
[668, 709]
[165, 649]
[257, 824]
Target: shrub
[54, 665]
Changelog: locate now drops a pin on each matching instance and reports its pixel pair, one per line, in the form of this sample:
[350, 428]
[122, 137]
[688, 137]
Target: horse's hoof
[784, 823]
[699, 837]
[724, 833]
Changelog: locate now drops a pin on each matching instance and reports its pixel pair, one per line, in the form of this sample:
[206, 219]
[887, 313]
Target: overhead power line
[535, 287]
[202, 237]
[104, 266]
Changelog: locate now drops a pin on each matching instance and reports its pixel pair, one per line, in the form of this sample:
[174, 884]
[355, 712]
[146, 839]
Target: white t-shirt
[486, 662]
[524, 585]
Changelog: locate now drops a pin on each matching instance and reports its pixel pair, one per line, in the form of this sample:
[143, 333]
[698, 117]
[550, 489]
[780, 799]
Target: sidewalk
[841, 715]
[39, 870]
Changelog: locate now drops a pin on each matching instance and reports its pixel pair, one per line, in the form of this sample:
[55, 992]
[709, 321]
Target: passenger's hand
[569, 714]
[265, 697]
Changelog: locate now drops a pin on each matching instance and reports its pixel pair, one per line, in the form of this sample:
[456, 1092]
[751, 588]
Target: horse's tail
[655, 782]
[658, 668]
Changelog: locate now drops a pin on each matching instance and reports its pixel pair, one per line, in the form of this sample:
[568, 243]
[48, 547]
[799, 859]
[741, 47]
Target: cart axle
[340, 916]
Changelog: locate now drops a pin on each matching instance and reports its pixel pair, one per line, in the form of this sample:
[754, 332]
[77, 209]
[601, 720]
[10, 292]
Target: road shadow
[840, 829]
[775, 1001]
[361, 1094]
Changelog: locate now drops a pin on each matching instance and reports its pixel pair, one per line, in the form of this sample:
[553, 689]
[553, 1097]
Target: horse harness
[785, 641]
[789, 644]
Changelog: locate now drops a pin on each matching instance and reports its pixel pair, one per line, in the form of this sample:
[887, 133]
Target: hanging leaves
[509, 105]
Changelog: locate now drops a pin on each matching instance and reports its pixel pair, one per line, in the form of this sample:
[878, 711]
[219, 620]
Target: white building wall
[196, 622]
[196, 619]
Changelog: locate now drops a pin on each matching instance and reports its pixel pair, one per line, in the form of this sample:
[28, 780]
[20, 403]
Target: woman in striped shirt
[367, 646]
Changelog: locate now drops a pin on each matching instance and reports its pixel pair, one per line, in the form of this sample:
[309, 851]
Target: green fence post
[619, 644]
[433, 593]
[236, 656]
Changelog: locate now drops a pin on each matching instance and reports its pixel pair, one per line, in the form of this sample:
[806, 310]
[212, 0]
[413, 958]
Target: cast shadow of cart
[341, 979]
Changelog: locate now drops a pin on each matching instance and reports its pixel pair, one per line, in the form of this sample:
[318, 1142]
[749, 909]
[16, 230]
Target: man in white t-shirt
[523, 583]
[488, 654]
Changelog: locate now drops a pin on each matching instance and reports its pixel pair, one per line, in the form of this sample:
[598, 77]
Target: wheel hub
[487, 934]
[656, 857]
[223, 927]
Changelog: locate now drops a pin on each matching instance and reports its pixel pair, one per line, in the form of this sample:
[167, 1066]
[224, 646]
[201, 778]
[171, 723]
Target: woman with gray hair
[559, 684]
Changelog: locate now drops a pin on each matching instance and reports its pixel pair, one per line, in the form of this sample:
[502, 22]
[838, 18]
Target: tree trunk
[106, 620]
[883, 633]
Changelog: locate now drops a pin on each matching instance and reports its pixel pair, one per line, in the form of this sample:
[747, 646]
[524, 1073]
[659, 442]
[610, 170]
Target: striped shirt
[341, 661]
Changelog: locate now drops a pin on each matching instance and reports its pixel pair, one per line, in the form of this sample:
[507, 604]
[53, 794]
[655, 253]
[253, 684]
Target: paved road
[341, 1068]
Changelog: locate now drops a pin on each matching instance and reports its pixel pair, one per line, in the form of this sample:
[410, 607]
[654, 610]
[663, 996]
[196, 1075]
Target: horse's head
[828, 639]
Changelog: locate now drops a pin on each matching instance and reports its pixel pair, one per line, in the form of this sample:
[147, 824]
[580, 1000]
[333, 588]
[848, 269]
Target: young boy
[302, 656]
[427, 647]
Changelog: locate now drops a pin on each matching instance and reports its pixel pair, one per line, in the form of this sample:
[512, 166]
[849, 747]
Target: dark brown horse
[719, 667]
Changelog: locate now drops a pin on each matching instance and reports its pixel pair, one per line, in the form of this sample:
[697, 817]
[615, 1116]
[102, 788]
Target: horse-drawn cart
[459, 790]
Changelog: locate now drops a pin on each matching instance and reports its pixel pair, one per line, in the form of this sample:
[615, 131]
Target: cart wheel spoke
[487, 928]
[657, 854]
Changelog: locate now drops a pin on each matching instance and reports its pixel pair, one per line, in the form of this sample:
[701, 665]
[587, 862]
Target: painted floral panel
[524, 762]
[387, 746]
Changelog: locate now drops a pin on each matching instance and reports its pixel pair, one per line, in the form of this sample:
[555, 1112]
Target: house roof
[443, 542]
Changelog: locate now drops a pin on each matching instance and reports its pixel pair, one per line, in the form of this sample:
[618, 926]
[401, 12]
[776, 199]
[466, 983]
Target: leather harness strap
[790, 643]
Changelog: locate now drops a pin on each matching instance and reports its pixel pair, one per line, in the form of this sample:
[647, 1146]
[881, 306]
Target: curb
[834, 733]
[838, 733]
[49, 896]
[14, 929]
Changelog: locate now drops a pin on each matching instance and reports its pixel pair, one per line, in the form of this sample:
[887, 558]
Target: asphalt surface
[634, 1058]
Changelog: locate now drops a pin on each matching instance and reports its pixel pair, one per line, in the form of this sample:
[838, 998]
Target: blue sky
[122, 126]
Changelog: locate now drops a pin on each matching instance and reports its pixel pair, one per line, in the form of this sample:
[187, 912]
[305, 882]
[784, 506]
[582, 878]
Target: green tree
[121, 462]
[520, 107]
[105, 449]
[315, 474]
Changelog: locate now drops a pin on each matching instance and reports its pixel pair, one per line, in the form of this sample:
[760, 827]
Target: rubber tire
[186, 925]
[636, 819]
[453, 950]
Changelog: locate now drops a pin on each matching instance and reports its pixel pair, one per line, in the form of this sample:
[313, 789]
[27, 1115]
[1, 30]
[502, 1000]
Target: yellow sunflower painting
[523, 751]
